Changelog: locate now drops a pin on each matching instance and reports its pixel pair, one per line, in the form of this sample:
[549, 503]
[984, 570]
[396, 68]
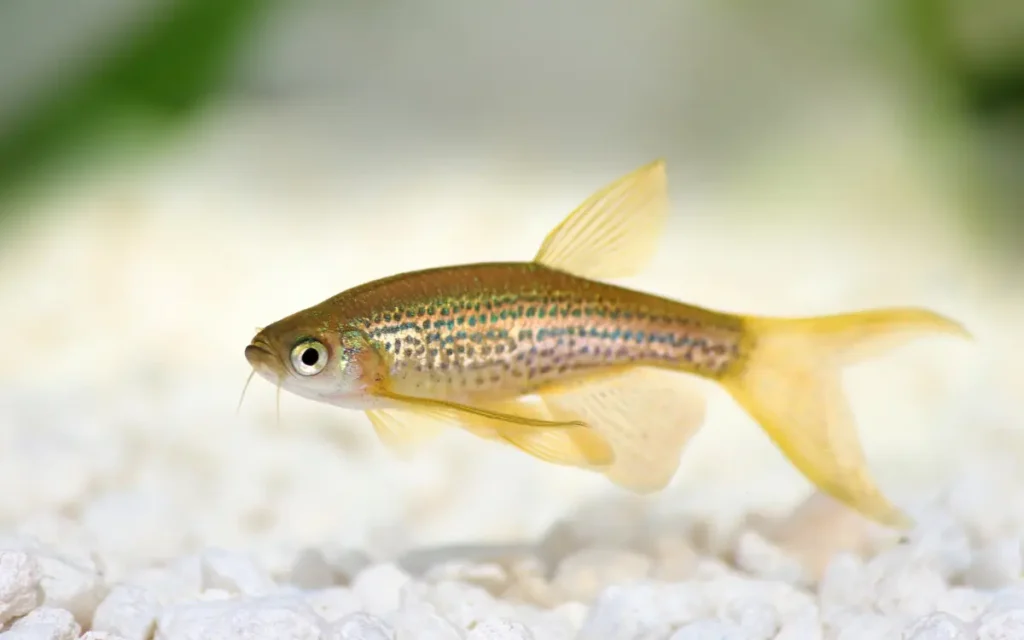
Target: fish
[551, 358]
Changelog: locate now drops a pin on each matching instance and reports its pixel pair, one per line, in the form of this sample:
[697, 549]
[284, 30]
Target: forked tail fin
[790, 382]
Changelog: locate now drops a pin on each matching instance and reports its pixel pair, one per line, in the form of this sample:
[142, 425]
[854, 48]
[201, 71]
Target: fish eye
[309, 357]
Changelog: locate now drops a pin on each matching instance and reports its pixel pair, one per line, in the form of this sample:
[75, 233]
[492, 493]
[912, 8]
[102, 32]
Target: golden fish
[468, 345]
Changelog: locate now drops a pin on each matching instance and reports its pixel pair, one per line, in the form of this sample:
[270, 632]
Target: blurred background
[176, 173]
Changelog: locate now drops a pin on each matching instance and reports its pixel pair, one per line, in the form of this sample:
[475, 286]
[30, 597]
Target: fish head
[336, 365]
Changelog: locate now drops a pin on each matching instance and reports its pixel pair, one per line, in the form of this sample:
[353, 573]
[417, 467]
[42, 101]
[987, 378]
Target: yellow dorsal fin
[614, 233]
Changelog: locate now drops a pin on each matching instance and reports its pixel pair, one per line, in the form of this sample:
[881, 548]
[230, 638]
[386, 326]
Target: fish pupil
[310, 357]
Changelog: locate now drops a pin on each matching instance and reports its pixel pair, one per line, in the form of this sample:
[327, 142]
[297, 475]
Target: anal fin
[646, 415]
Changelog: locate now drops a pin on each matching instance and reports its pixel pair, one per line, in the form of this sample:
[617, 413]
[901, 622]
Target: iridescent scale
[532, 327]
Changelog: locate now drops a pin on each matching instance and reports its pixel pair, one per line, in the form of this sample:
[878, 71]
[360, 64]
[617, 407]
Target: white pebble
[626, 611]
[463, 604]
[213, 595]
[48, 531]
[101, 635]
[180, 580]
[419, 562]
[964, 603]
[346, 564]
[234, 572]
[1007, 599]
[131, 526]
[844, 584]
[272, 618]
[759, 557]
[360, 626]
[681, 603]
[865, 626]
[905, 585]
[984, 501]
[710, 568]
[805, 625]
[785, 598]
[528, 583]
[19, 584]
[938, 626]
[675, 558]
[582, 575]
[758, 619]
[422, 622]
[1002, 625]
[995, 565]
[74, 584]
[311, 571]
[574, 613]
[334, 603]
[711, 629]
[544, 624]
[44, 623]
[129, 611]
[941, 543]
[500, 629]
[380, 587]
[489, 575]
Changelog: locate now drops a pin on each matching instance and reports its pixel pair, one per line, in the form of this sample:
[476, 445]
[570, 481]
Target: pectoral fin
[575, 446]
[529, 428]
[646, 415]
[401, 430]
[477, 416]
[614, 232]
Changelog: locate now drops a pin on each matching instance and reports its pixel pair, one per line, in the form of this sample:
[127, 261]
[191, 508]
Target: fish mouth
[259, 354]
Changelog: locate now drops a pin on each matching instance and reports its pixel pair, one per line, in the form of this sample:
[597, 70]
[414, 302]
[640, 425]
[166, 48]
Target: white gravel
[950, 577]
[136, 505]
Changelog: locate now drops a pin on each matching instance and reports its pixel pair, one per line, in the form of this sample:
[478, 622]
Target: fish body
[468, 345]
[485, 332]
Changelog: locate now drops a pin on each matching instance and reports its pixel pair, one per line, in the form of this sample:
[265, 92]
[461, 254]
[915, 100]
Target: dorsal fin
[614, 233]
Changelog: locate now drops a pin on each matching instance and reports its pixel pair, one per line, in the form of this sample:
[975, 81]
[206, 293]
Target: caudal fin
[790, 382]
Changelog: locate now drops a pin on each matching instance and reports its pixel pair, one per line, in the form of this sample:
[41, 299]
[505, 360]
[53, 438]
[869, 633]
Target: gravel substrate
[137, 505]
[821, 573]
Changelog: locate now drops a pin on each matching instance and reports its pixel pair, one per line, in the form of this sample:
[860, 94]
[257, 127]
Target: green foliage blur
[163, 69]
[966, 65]
[970, 55]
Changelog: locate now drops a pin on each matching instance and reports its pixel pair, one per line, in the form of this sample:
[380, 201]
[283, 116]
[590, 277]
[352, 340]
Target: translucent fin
[789, 381]
[647, 415]
[528, 428]
[576, 446]
[614, 233]
[401, 430]
[474, 416]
